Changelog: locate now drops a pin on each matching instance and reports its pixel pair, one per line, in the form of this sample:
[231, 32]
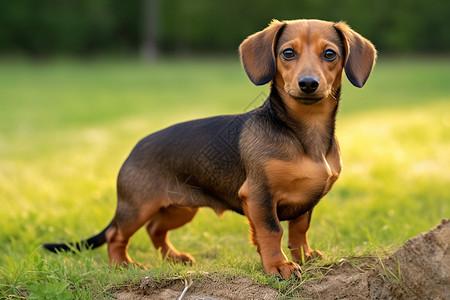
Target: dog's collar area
[271, 112]
[275, 105]
[277, 111]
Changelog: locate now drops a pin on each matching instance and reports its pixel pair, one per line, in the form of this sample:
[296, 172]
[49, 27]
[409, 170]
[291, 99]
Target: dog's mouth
[307, 100]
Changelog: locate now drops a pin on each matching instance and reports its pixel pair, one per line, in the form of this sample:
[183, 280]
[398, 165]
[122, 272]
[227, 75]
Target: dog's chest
[302, 181]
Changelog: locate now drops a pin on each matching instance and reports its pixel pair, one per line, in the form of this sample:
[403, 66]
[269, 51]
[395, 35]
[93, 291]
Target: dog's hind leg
[166, 219]
[126, 222]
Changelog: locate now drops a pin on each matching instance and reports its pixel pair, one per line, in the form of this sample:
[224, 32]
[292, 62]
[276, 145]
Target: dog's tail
[90, 243]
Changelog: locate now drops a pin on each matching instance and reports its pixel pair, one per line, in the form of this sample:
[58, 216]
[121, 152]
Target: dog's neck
[314, 125]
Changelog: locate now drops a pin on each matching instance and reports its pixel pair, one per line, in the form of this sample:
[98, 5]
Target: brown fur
[271, 164]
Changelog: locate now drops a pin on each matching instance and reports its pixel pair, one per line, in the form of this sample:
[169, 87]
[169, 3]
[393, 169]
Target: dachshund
[271, 164]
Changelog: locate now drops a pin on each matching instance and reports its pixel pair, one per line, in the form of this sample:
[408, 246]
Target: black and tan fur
[271, 164]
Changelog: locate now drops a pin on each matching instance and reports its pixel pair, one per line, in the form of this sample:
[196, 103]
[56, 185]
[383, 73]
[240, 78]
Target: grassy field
[67, 126]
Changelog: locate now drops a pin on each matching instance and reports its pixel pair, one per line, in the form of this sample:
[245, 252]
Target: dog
[271, 164]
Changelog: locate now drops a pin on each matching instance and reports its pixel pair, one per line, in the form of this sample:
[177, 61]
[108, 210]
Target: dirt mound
[423, 265]
[347, 280]
[420, 269]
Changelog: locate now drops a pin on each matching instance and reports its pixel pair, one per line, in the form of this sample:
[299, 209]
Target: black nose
[308, 84]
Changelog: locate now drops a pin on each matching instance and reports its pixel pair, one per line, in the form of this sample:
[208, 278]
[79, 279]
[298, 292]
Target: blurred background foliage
[91, 27]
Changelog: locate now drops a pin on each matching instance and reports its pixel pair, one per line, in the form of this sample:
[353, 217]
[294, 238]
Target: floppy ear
[258, 53]
[360, 54]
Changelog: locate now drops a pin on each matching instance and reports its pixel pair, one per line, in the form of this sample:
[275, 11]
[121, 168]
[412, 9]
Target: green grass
[67, 126]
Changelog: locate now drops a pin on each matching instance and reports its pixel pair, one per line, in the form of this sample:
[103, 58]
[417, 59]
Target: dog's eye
[329, 55]
[288, 54]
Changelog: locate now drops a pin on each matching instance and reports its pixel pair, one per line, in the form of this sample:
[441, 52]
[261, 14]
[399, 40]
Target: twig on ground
[186, 287]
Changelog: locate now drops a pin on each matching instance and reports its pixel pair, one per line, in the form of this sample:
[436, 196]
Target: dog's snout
[308, 84]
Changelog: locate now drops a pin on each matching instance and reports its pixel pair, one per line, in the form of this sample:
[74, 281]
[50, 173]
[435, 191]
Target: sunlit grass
[66, 128]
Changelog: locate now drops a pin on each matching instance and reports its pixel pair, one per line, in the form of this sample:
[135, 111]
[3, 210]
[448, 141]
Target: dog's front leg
[266, 232]
[298, 239]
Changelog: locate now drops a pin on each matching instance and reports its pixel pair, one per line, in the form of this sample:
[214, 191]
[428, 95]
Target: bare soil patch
[420, 269]
[210, 287]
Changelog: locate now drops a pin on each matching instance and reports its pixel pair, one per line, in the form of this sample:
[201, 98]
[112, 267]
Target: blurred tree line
[87, 27]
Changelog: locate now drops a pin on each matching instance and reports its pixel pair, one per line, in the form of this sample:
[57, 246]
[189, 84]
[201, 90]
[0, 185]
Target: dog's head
[305, 58]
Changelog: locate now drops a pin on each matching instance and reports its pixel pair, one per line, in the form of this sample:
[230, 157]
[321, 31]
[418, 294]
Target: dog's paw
[314, 254]
[181, 257]
[310, 255]
[137, 265]
[128, 265]
[286, 269]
